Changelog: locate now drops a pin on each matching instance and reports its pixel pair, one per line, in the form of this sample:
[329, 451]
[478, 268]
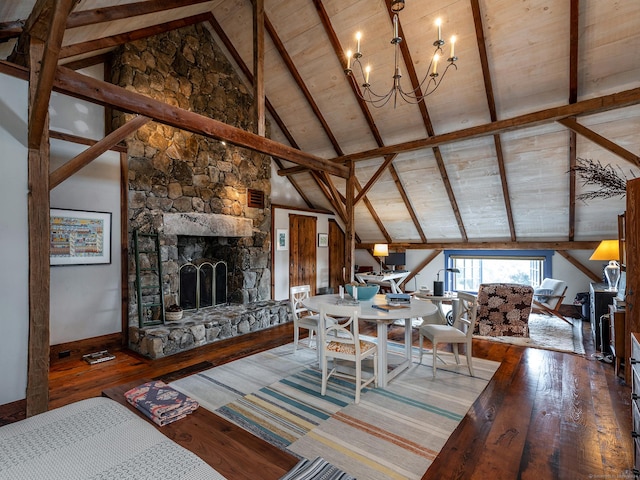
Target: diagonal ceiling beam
[122, 38]
[590, 106]
[598, 139]
[407, 202]
[488, 87]
[426, 119]
[574, 36]
[374, 178]
[90, 154]
[77, 85]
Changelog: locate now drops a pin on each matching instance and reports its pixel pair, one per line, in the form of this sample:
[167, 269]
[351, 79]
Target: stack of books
[160, 402]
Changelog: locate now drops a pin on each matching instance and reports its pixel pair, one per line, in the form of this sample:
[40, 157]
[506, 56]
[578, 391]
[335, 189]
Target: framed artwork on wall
[323, 240]
[79, 237]
[282, 239]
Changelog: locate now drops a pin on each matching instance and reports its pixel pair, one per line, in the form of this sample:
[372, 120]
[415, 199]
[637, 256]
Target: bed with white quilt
[95, 438]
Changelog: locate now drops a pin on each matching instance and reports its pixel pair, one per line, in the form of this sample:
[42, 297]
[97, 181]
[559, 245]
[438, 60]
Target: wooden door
[302, 251]
[336, 256]
[632, 248]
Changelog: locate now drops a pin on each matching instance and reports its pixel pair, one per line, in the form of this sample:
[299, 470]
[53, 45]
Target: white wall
[14, 240]
[281, 257]
[85, 299]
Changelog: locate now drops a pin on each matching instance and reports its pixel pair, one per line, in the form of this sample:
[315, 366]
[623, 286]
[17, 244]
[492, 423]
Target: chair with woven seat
[460, 333]
[548, 297]
[302, 318]
[340, 340]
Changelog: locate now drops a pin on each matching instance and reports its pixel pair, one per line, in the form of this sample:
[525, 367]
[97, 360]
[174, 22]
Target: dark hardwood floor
[544, 415]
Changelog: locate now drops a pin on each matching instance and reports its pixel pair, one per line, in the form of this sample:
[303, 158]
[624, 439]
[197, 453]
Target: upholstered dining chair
[503, 309]
[340, 340]
[460, 333]
[302, 318]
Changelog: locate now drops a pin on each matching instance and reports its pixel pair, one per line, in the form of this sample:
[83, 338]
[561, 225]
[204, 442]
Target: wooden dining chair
[302, 318]
[460, 333]
[340, 340]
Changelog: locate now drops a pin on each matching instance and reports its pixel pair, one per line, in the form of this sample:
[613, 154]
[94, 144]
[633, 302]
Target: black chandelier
[426, 87]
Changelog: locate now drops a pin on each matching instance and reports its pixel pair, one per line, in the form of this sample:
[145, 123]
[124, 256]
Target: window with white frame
[524, 267]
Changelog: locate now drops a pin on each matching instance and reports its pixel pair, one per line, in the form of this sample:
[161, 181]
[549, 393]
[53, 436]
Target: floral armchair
[503, 309]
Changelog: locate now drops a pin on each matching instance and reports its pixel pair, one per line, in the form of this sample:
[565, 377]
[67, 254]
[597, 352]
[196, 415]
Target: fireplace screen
[203, 284]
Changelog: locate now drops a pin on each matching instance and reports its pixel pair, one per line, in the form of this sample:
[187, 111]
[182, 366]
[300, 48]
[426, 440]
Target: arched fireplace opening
[202, 284]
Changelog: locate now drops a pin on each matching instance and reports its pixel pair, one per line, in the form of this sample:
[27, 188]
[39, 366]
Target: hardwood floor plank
[544, 415]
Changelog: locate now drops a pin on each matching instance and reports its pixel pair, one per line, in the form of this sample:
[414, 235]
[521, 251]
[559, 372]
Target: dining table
[417, 308]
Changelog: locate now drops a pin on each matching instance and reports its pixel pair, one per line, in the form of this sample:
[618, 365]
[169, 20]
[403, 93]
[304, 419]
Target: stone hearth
[206, 326]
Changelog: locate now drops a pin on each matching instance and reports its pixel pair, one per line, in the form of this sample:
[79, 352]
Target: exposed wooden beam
[120, 12]
[286, 58]
[102, 58]
[122, 38]
[598, 139]
[574, 35]
[287, 172]
[37, 394]
[324, 188]
[350, 233]
[374, 214]
[407, 203]
[576, 263]
[415, 272]
[374, 178]
[590, 106]
[93, 152]
[54, 29]
[488, 88]
[9, 30]
[78, 85]
[68, 137]
[558, 246]
[426, 120]
[258, 66]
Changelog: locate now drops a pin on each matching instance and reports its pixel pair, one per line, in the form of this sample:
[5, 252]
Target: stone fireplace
[193, 191]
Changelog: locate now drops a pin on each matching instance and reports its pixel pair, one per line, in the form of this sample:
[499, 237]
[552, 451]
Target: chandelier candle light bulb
[415, 93]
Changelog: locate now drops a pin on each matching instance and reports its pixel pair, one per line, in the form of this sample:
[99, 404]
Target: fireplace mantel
[206, 225]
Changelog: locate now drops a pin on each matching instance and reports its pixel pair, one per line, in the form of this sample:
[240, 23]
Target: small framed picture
[323, 240]
[282, 239]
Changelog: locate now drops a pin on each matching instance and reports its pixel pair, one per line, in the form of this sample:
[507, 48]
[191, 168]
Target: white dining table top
[417, 307]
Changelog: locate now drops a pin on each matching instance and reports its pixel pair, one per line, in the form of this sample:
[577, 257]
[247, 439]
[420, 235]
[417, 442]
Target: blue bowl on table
[364, 293]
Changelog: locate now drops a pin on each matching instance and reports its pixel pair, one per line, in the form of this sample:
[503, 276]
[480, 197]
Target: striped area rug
[393, 433]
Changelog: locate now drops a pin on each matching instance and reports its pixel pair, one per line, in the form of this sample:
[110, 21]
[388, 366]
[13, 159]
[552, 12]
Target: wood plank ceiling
[486, 158]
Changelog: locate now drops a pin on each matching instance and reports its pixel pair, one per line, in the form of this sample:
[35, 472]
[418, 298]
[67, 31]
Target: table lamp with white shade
[381, 250]
[609, 250]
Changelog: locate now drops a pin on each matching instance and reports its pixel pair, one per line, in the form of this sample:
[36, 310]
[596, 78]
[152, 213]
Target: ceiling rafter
[519, 245]
[488, 87]
[86, 157]
[374, 214]
[574, 25]
[219, 31]
[339, 51]
[589, 106]
[407, 202]
[374, 178]
[598, 139]
[122, 38]
[426, 119]
[97, 91]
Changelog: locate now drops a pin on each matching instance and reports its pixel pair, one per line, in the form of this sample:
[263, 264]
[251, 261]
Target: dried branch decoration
[611, 180]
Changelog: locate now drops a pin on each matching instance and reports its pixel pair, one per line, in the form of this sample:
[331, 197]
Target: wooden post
[350, 240]
[258, 66]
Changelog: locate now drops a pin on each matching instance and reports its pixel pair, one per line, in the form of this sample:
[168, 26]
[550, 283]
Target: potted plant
[173, 313]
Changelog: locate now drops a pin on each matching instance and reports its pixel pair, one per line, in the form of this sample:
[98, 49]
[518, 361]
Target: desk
[417, 308]
[392, 279]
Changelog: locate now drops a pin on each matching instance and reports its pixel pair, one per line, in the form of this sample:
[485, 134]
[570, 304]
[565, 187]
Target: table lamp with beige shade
[381, 250]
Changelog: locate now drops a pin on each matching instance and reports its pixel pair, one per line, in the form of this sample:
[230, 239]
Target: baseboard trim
[74, 350]
[12, 412]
